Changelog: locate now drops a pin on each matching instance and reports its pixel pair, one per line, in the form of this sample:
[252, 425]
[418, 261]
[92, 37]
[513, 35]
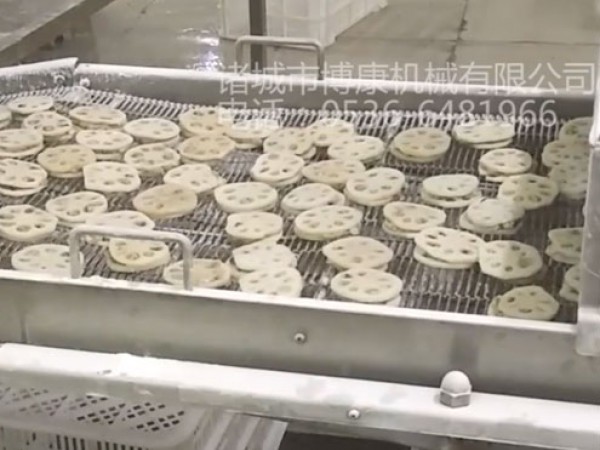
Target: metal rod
[258, 27]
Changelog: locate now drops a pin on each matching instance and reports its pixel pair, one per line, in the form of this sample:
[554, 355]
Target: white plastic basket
[323, 20]
[35, 419]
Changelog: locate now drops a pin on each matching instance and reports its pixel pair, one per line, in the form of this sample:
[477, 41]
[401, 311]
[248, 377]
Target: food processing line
[436, 372]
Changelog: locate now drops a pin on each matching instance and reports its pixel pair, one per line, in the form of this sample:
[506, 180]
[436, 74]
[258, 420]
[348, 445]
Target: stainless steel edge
[300, 335]
[42, 75]
[293, 396]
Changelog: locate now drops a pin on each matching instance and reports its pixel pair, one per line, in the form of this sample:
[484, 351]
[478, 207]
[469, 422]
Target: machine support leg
[258, 27]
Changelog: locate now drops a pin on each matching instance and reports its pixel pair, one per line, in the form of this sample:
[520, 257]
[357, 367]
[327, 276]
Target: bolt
[354, 414]
[85, 82]
[300, 338]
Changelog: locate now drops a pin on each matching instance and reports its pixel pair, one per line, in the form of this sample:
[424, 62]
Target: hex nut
[455, 390]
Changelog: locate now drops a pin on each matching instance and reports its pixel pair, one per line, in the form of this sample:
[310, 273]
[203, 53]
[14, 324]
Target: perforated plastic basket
[36, 419]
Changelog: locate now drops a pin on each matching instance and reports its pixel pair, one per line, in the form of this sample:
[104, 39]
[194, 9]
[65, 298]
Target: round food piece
[198, 177]
[449, 245]
[78, 207]
[50, 124]
[282, 281]
[528, 191]
[152, 130]
[152, 159]
[18, 174]
[509, 260]
[297, 141]
[422, 143]
[205, 148]
[205, 273]
[492, 216]
[25, 106]
[104, 141]
[565, 244]
[127, 219]
[206, 120]
[166, 201]
[5, 116]
[137, 254]
[20, 143]
[244, 197]
[484, 132]
[25, 223]
[252, 131]
[374, 187]
[111, 177]
[406, 219]
[570, 289]
[97, 117]
[66, 161]
[254, 226]
[572, 179]
[366, 149]
[335, 173]
[327, 222]
[527, 302]
[277, 169]
[366, 285]
[450, 191]
[311, 195]
[50, 259]
[328, 130]
[263, 255]
[423, 257]
[563, 152]
[497, 164]
[357, 251]
[577, 129]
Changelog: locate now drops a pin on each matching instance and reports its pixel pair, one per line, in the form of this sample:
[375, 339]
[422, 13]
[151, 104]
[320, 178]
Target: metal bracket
[274, 41]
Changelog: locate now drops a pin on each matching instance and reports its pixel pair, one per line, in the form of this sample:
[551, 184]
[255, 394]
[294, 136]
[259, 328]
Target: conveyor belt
[464, 291]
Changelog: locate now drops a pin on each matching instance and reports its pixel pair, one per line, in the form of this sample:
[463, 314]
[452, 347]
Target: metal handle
[130, 233]
[276, 41]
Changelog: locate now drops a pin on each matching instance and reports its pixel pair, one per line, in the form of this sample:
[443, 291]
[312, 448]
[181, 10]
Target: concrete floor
[549, 43]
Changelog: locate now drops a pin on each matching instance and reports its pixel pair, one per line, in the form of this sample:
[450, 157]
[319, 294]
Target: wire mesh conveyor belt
[464, 291]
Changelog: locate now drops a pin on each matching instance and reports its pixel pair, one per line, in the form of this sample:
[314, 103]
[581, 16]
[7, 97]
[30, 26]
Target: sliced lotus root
[78, 207]
[52, 125]
[449, 245]
[528, 190]
[527, 302]
[479, 132]
[198, 177]
[254, 226]
[422, 143]
[572, 179]
[563, 152]
[576, 129]
[497, 164]
[252, 131]
[206, 120]
[205, 273]
[565, 245]
[5, 116]
[366, 286]
[281, 281]
[152, 130]
[16, 192]
[262, 255]
[205, 148]
[366, 149]
[138, 254]
[152, 159]
[166, 201]
[119, 219]
[277, 169]
[327, 222]
[407, 219]
[311, 195]
[25, 106]
[509, 260]
[492, 145]
[357, 251]
[335, 173]
[326, 131]
[423, 257]
[66, 161]
[492, 216]
[412, 159]
[111, 177]
[298, 141]
[50, 259]
[375, 186]
[97, 117]
[104, 141]
[450, 191]
[244, 197]
[20, 143]
[16, 174]
[570, 289]
[25, 223]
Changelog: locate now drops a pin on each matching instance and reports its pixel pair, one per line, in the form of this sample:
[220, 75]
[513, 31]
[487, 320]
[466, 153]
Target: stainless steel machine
[435, 372]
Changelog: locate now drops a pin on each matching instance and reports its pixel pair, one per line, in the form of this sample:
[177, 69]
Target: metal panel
[43, 75]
